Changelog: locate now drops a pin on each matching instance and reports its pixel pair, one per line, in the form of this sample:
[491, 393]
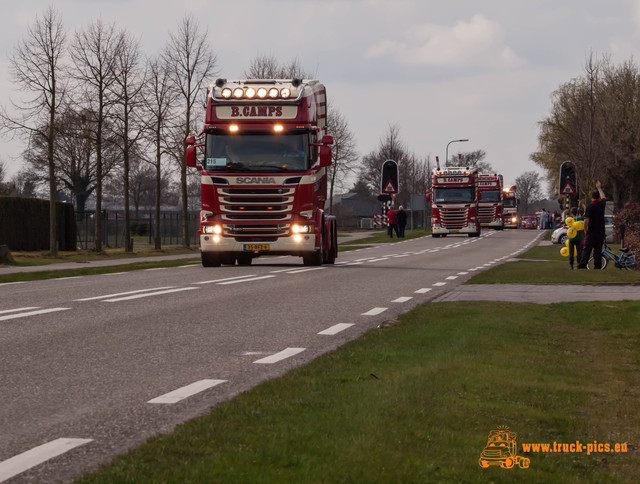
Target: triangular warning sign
[568, 189]
[389, 188]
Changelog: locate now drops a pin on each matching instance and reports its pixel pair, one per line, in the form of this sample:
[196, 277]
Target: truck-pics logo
[502, 450]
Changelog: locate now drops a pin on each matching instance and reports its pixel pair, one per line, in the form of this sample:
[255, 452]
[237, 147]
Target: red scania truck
[510, 208]
[264, 172]
[490, 204]
[454, 201]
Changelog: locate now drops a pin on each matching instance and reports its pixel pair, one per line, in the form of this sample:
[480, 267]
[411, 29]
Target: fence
[142, 228]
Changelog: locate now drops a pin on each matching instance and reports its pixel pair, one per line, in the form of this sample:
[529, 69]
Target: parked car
[559, 235]
[528, 222]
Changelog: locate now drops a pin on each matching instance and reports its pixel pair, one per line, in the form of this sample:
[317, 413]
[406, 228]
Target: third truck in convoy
[264, 172]
[510, 207]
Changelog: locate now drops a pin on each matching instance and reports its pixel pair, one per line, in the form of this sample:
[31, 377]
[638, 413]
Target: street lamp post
[446, 159]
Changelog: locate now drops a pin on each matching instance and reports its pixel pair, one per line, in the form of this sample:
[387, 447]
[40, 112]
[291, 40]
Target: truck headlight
[301, 229]
[212, 229]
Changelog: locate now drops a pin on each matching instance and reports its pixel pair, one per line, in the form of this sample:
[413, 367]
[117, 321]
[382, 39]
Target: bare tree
[127, 89]
[269, 67]
[95, 55]
[191, 62]
[475, 159]
[343, 152]
[37, 67]
[390, 147]
[159, 104]
[529, 189]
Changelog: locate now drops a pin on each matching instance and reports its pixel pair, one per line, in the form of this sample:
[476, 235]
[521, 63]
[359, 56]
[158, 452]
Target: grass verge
[543, 264]
[415, 401]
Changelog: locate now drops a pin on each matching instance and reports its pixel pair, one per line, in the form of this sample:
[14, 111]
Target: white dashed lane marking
[186, 392]
[335, 329]
[282, 355]
[31, 458]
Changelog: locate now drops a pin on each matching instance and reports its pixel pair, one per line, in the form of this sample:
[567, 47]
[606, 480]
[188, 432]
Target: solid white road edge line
[149, 294]
[31, 458]
[245, 280]
[282, 355]
[137, 291]
[18, 310]
[185, 392]
[32, 313]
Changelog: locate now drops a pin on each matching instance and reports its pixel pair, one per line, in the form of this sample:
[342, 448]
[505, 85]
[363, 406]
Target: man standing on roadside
[594, 229]
[392, 218]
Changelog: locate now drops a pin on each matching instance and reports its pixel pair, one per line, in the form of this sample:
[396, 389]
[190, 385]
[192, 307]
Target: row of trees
[594, 123]
[102, 118]
[93, 106]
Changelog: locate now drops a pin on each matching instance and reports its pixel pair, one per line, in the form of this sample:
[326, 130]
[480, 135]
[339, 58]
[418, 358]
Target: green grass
[37, 258]
[544, 264]
[414, 402]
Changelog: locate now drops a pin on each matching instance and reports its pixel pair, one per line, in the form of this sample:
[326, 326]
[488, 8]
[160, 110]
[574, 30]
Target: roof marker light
[238, 93]
[226, 93]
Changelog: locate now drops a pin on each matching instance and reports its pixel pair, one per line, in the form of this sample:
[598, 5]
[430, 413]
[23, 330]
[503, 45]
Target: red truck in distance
[264, 172]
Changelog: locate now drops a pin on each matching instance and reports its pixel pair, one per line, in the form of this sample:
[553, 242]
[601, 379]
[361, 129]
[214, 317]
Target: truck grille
[487, 214]
[453, 218]
[256, 214]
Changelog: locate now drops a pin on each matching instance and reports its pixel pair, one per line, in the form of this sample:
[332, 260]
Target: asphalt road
[94, 365]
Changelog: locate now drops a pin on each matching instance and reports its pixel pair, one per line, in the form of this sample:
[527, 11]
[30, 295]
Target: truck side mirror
[325, 150]
[427, 196]
[479, 195]
[190, 158]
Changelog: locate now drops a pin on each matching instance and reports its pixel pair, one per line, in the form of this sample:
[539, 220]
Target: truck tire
[210, 259]
[227, 258]
[316, 257]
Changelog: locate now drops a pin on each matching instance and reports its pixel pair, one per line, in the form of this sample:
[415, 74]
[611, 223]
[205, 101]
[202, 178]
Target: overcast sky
[482, 70]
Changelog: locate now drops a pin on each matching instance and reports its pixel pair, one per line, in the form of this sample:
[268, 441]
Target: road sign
[389, 178]
[568, 189]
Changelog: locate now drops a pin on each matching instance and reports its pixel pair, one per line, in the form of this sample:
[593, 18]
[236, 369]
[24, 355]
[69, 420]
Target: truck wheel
[244, 259]
[210, 259]
[508, 463]
[483, 463]
[227, 258]
[524, 463]
[316, 257]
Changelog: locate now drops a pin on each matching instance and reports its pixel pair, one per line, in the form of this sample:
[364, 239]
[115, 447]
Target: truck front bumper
[281, 246]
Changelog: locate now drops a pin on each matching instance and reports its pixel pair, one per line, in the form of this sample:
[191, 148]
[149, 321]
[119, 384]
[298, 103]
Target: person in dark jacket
[594, 229]
[402, 221]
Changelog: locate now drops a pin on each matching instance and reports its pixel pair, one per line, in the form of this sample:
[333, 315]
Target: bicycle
[626, 260]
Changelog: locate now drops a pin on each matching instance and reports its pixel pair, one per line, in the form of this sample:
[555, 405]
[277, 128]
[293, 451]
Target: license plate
[254, 247]
[454, 231]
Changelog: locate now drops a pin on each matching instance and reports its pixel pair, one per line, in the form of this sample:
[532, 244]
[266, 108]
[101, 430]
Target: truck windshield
[509, 202]
[450, 194]
[490, 195]
[257, 152]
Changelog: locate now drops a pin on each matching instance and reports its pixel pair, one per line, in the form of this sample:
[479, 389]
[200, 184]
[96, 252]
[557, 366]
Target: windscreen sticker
[212, 162]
